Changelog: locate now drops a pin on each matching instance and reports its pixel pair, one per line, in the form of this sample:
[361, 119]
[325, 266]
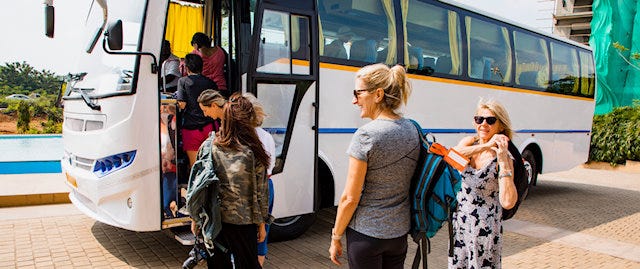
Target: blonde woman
[487, 187]
[374, 209]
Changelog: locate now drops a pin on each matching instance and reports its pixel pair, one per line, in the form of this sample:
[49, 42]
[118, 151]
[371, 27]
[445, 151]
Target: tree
[19, 77]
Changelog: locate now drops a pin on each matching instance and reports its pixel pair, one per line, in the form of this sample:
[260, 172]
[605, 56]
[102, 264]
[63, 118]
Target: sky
[22, 28]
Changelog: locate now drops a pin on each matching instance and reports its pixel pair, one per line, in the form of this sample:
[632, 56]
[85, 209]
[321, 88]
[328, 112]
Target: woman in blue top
[374, 207]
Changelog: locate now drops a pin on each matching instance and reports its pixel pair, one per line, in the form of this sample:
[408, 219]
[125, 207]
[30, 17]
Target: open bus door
[283, 75]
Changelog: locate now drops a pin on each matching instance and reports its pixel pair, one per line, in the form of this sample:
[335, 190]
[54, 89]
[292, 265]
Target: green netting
[615, 21]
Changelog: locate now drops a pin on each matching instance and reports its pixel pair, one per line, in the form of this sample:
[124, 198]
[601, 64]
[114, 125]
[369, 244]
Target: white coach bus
[115, 126]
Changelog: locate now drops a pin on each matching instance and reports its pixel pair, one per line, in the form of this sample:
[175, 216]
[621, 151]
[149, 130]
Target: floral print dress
[477, 224]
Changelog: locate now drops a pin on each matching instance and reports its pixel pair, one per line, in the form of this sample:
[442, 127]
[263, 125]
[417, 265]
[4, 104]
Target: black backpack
[520, 179]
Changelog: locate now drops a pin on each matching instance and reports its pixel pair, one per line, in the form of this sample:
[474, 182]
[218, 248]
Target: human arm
[508, 194]
[181, 95]
[468, 149]
[262, 232]
[347, 204]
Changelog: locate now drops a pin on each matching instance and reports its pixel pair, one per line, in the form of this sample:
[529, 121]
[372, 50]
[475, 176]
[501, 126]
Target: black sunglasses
[480, 119]
[356, 93]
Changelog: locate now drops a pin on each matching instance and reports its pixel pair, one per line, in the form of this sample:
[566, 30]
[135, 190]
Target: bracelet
[506, 173]
[334, 236]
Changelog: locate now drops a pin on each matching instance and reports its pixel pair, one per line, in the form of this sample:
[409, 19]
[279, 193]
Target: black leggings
[371, 253]
[241, 241]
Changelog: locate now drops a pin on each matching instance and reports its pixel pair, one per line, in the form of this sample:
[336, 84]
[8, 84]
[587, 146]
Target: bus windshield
[109, 74]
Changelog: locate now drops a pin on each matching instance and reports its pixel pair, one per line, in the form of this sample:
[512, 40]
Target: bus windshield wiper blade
[87, 99]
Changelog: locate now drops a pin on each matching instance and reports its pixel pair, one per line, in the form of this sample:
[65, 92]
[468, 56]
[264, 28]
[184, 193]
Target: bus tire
[289, 228]
[531, 166]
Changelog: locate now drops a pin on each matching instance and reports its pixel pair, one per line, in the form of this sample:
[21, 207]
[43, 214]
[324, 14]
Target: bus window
[433, 39]
[361, 31]
[587, 74]
[532, 61]
[284, 44]
[274, 51]
[489, 51]
[300, 49]
[564, 68]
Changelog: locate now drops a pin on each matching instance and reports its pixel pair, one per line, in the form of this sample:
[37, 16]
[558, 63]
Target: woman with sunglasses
[487, 187]
[374, 209]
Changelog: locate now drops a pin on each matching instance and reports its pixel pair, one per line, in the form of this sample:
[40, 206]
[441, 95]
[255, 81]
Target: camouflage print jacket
[202, 194]
[244, 193]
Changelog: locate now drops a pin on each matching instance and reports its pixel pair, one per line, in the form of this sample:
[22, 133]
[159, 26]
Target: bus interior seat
[363, 50]
[528, 78]
[443, 65]
[429, 62]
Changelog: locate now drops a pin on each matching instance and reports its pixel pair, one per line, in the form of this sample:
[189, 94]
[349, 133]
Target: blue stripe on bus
[433, 131]
[31, 167]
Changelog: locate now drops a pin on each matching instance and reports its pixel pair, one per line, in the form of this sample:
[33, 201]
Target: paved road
[576, 219]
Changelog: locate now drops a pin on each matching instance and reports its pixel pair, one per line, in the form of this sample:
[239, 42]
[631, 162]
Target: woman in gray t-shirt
[374, 208]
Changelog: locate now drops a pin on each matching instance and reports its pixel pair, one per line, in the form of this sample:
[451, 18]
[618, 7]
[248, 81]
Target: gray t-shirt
[390, 148]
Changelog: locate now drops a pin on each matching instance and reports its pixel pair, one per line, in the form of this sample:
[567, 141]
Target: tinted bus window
[564, 69]
[587, 74]
[433, 39]
[362, 31]
[532, 61]
[489, 51]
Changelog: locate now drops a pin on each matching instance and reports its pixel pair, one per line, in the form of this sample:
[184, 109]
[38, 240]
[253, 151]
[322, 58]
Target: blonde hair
[207, 97]
[393, 81]
[501, 113]
[257, 108]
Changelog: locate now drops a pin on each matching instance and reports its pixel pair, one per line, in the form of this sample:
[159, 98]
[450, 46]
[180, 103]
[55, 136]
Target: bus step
[184, 235]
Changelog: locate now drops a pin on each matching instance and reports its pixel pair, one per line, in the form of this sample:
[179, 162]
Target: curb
[34, 199]
[628, 167]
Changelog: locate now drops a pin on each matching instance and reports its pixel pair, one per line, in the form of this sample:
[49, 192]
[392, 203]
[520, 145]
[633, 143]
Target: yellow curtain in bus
[320, 37]
[405, 10]
[183, 20]
[453, 42]
[543, 74]
[507, 74]
[391, 30]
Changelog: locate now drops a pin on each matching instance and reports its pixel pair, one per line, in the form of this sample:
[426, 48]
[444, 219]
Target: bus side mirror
[49, 18]
[114, 35]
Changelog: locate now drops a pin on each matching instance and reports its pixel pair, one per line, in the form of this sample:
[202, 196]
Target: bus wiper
[86, 98]
[73, 78]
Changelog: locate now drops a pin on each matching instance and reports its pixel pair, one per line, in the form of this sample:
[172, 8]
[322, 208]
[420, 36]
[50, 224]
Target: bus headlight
[110, 164]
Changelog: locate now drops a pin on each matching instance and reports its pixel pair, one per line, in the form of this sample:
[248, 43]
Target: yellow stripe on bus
[441, 80]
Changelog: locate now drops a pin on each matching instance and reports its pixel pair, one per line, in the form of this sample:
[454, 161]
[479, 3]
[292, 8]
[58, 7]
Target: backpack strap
[424, 247]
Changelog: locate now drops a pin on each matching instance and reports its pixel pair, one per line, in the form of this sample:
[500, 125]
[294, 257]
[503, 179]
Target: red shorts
[192, 139]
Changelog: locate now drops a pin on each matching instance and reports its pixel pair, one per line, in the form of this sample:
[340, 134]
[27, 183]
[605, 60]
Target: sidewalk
[33, 189]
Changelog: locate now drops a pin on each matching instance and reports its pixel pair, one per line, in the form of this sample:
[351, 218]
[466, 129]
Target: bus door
[283, 74]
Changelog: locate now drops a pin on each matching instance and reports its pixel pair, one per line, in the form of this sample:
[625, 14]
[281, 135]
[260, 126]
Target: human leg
[241, 241]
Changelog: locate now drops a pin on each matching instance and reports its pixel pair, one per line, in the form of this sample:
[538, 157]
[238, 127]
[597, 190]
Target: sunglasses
[356, 93]
[480, 119]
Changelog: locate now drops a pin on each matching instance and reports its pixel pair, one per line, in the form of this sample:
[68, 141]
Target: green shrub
[616, 135]
[24, 117]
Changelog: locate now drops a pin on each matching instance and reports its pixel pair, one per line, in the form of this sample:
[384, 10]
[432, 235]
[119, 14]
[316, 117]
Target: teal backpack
[434, 186]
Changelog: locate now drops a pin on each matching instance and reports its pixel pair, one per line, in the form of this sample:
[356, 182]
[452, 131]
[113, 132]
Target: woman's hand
[500, 144]
[262, 232]
[335, 251]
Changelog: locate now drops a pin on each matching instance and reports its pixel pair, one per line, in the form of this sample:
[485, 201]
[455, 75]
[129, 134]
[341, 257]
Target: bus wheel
[531, 166]
[290, 227]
